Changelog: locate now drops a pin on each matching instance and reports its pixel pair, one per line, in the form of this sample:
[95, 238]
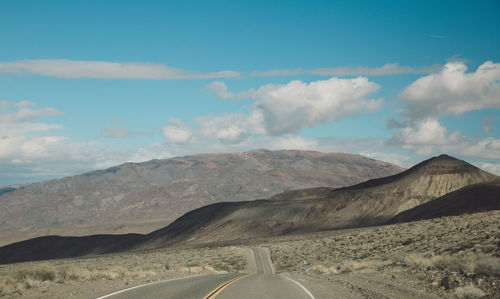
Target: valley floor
[450, 256]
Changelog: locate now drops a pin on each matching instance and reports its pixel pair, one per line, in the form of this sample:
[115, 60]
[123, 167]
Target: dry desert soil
[454, 257]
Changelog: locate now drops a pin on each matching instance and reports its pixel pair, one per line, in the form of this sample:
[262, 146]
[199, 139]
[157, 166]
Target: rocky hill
[370, 203]
[142, 197]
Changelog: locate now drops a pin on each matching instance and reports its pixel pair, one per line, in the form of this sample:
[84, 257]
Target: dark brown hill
[142, 197]
[55, 247]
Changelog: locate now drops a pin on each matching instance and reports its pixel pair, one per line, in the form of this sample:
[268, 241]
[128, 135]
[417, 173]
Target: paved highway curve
[261, 283]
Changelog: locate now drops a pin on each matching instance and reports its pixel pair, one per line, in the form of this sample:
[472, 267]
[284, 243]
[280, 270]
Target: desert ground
[455, 257]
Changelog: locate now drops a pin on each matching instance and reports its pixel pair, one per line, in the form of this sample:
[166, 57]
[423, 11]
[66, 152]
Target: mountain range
[142, 197]
[440, 186]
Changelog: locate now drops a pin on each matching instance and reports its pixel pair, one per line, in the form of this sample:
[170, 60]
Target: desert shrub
[76, 273]
[44, 272]
[452, 263]
[469, 293]
[417, 261]
[489, 266]
[119, 271]
[30, 283]
[9, 287]
[488, 248]
[351, 266]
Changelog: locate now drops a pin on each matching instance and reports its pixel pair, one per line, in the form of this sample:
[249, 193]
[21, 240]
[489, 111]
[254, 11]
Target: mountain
[142, 197]
[370, 203]
[439, 186]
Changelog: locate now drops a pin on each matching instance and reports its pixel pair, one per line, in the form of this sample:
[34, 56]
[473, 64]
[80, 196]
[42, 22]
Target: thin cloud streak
[386, 69]
[71, 69]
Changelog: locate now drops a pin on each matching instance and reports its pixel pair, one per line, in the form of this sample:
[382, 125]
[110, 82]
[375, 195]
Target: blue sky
[90, 84]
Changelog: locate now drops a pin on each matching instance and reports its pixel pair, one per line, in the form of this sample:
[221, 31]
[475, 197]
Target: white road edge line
[147, 284]
[303, 287]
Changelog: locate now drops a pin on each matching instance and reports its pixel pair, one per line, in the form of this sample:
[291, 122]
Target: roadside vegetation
[451, 256]
[457, 257]
[133, 268]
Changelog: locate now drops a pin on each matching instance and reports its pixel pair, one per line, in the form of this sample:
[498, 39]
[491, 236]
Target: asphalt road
[261, 283]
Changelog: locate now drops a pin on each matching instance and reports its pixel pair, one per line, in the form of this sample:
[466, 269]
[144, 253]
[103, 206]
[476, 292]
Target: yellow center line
[261, 261]
[220, 288]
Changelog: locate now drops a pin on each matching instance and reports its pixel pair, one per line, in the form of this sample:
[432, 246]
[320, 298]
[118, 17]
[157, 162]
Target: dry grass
[15, 279]
[463, 248]
[469, 292]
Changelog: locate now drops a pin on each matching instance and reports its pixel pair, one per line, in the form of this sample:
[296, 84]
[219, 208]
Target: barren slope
[369, 203]
[471, 199]
[146, 196]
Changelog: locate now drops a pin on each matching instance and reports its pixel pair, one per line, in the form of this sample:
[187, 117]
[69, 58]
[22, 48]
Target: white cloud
[386, 69]
[63, 68]
[230, 128]
[177, 131]
[294, 142]
[219, 89]
[287, 108]
[393, 158]
[21, 120]
[426, 132]
[488, 148]
[278, 72]
[453, 91]
[280, 110]
[491, 167]
[26, 114]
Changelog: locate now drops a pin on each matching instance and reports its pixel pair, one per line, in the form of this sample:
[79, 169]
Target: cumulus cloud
[488, 148]
[453, 91]
[177, 131]
[64, 68]
[393, 158]
[279, 110]
[490, 167]
[219, 89]
[294, 142]
[426, 132]
[229, 128]
[287, 108]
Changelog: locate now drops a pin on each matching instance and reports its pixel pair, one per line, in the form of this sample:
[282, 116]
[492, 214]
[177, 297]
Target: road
[261, 282]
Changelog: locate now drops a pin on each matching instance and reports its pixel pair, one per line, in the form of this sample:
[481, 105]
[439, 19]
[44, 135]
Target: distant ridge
[142, 197]
[436, 187]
